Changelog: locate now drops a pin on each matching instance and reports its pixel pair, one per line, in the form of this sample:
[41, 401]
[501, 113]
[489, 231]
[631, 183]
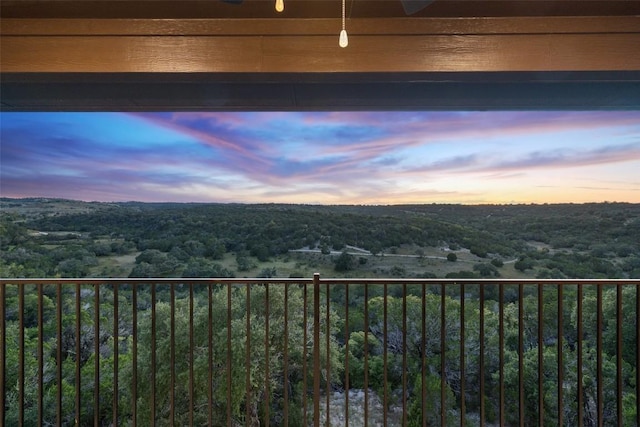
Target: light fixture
[343, 41]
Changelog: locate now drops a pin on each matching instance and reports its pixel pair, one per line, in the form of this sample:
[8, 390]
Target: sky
[367, 158]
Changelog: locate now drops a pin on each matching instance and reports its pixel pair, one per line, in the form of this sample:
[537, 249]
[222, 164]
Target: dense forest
[60, 238]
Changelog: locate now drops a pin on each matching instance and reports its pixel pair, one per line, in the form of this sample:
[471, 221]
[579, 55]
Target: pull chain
[344, 39]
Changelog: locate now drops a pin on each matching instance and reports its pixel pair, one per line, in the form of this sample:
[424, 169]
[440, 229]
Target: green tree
[523, 264]
[486, 270]
[244, 346]
[202, 267]
[344, 262]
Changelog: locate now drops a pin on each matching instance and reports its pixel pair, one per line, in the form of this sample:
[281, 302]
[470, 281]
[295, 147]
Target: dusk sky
[323, 157]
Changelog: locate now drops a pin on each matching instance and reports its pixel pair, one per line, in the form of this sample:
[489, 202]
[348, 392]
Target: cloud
[449, 164]
[341, 157]
[276, 147]
[571, 158]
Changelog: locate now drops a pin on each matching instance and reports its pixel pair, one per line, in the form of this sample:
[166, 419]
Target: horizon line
[44, 198]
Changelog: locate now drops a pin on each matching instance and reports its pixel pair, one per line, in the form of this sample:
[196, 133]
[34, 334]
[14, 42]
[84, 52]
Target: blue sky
[324, 157]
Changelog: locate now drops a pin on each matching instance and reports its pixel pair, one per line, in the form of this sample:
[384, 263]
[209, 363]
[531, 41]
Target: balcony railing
[359, 352]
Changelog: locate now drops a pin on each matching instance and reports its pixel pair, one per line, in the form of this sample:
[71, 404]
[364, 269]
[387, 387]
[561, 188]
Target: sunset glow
[324, 157]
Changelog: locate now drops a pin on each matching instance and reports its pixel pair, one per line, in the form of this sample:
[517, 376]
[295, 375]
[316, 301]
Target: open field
[306, 263]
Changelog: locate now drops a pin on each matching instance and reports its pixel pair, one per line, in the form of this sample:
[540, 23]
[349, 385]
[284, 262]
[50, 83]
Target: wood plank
[321, 26]
[321, 54]
[563, 52]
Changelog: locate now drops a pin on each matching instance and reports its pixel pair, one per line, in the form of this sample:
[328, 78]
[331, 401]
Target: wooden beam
[191, 54]
[310, 45]
[522, 25]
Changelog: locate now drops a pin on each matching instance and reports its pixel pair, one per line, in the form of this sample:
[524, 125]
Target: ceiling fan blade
[412, 6]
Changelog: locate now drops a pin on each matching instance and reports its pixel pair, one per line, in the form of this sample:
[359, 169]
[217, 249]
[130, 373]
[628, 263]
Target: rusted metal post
[327, 364]
[40, 355]
[3, 351]
[316, 349]
[619, 379]
[501, 351]
[540, 355]
[462, 358]
[21, 354]
[116, 354]
[78, 390]
[96, 355]
[172, 353]
[599, 347]
[443, 350]
[286, 356]
[579, 357]
[521, 353]
[134, 353]
[560, 356]
[304, 351]
[366, 355]
[229, 422]
[481, 357]
[346, 355]
[153, 354]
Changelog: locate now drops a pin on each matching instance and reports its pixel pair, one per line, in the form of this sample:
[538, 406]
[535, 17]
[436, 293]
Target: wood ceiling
[132, 55]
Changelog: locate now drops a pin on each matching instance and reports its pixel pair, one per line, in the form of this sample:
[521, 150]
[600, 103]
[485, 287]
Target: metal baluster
[96, 355]
[462, 358]
[316, 350]
[443, 350]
